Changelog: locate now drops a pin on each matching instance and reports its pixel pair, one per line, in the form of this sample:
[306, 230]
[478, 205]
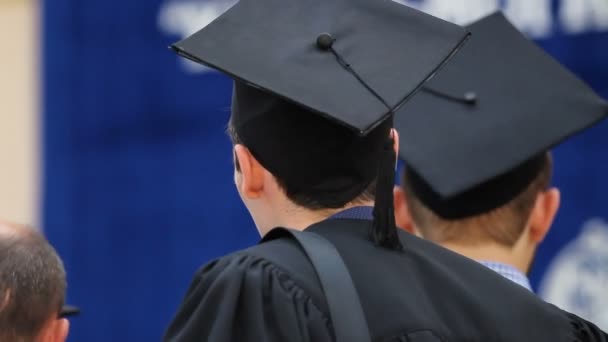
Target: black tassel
[384, 231]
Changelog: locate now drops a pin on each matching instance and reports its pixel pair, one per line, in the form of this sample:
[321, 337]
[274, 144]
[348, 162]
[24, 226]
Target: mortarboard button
[291, 38]
[470, 97]
[325, 41]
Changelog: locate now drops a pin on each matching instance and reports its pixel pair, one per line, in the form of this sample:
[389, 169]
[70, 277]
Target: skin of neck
[299, 218]
[519, 255]
[275, 209]
[267, 202]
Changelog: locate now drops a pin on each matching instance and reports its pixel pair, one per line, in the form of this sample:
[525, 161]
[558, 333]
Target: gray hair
[32, 284]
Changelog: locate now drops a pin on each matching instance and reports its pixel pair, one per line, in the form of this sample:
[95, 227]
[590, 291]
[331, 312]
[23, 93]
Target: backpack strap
[346, 312]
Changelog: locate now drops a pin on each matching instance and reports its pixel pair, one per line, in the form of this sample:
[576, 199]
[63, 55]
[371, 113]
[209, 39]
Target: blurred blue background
[138, 183]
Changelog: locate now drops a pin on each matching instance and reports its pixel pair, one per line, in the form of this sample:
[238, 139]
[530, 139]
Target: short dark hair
[503, 225]
[326, 133]
[32, 285]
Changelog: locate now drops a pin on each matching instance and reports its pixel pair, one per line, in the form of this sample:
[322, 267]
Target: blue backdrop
[138, 186]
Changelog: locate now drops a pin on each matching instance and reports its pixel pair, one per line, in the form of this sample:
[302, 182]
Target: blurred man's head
[511, 231]
[32, 287]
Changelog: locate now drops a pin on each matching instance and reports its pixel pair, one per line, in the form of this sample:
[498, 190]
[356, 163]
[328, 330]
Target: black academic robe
[424, 293]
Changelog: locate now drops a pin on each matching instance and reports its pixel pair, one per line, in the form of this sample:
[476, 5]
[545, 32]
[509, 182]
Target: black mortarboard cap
[473, 138]
[305, 51]
[354, 62]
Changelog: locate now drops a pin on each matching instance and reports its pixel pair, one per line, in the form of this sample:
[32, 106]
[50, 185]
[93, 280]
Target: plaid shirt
[509, 272]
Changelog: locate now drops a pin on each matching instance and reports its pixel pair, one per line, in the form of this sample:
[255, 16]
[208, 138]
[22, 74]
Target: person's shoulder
[254, 284]
[586, 331]
[517, 311]
[279, 260]
[286, 255]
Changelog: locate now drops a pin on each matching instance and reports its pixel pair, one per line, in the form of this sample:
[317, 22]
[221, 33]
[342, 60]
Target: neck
[299, 218]
[491, 252]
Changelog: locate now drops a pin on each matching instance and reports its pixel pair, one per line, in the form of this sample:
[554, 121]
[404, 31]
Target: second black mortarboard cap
[472, 138]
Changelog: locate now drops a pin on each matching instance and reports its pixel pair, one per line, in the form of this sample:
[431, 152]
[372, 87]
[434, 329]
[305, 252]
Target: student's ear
[55, 330]
[403, 218]
[63, 329]
[251, 173]
[395, 136]
[543, 214]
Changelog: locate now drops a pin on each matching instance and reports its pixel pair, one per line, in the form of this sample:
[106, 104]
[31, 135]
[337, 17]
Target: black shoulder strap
[342, 299]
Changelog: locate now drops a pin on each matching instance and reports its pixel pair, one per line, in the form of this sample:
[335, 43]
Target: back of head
[491, 212]
[519, 105]
[32, 283]
[318, 163]
[331, 70]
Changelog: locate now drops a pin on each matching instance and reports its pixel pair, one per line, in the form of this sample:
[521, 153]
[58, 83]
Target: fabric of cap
[525, 103]
[481, 199]
[377, 55]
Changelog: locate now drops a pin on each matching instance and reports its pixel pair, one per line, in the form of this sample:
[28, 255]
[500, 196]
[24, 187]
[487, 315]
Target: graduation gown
[425, 293]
